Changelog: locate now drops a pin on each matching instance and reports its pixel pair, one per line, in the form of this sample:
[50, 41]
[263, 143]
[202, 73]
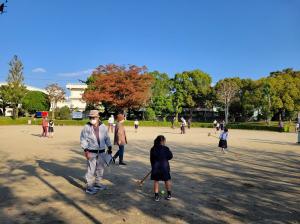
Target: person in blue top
[159, 158]
[223, 140]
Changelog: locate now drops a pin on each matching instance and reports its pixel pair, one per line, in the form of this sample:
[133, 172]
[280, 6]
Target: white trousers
[95, 169]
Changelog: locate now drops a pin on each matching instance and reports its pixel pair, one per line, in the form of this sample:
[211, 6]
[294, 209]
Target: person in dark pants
[120, 139]
[173, 122]
[159, 158]
[189, 122]
[223, 140]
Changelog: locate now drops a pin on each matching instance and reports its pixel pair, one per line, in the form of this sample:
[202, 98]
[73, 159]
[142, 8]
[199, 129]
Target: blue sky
[61, 41]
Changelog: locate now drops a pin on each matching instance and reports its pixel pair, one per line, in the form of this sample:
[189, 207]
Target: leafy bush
[150, 114]
[63, 113]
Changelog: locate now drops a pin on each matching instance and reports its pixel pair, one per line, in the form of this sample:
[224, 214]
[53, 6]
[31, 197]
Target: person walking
[159, 158]
[93, 139]
[136, 125]
[45, 126]
[120, 139]
[111, 122]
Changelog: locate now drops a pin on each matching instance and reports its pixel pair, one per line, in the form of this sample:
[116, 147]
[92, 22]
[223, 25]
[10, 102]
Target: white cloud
[39, 70]
[76, 74]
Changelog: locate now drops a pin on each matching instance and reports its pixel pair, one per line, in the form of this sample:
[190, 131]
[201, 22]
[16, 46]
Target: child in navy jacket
[159, 158]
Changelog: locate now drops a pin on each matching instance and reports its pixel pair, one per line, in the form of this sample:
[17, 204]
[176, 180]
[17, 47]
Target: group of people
[48, 128]
[94, 139]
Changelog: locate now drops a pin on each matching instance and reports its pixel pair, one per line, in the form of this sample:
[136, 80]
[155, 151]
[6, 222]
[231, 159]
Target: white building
[74, 100]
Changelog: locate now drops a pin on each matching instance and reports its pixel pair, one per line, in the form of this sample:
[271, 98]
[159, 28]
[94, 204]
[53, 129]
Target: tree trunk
[226, 113]
[15, 112]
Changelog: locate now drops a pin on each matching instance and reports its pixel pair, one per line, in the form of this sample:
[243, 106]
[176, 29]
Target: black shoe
[156, 198]
[122, 163]
[113, 160]
[169, 197]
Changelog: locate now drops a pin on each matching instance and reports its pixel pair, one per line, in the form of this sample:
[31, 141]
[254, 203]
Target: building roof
[76, 86]
[31, 88]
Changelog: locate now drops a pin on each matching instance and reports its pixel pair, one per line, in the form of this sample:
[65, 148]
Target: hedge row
[247, 126]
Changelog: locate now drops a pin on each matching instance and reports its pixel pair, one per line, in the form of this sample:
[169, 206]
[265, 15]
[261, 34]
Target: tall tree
[35, 101]
[55, 94]
[4, 97]
[120, 87]
[226, 90]
[161, 99]
[16, 86]
[190, 89]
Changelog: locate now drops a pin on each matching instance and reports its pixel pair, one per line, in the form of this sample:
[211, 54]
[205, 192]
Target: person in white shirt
[136, 124]
[183, 124]
[111, 122]
[223, 140]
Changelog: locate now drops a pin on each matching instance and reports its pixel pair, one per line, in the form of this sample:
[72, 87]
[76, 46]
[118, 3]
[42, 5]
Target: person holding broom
[159, 158]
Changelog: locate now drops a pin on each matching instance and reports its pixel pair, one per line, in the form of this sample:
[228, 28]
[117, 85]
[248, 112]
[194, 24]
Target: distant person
[222, 125]
[93, 139]
[173, 121]
[51, 128]
[120, 139]
[182, 126]
[111, 122]
[136, 124]
[189, 122]
[217, 126]
[159, 158]
[215, 123]
[281, 125]
[45, 126]
[297, 127]
[223, 140]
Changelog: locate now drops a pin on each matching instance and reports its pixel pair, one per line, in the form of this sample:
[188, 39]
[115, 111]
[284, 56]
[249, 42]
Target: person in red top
[45, 126]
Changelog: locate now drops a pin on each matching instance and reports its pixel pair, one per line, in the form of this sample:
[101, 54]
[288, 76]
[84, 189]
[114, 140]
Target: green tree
[16, 86]
[161, 99]
[190, 90]
[35, 101]
[150, 114]
[4, 97]
[64, 113]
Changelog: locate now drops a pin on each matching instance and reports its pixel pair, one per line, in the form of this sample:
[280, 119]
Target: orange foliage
[119, 86]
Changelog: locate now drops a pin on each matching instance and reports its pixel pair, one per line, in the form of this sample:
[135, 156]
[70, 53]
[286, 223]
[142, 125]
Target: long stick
[145, 177]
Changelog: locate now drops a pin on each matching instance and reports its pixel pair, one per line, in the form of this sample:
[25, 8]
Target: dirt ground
[258, 181]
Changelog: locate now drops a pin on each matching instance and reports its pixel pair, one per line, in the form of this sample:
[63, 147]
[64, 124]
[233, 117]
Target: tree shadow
[209, 187]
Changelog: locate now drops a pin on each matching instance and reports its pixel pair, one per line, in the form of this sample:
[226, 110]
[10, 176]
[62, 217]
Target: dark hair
[158, 140]
[225, 129]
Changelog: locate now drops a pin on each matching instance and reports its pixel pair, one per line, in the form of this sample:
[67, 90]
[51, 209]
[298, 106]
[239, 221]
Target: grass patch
[288, 127]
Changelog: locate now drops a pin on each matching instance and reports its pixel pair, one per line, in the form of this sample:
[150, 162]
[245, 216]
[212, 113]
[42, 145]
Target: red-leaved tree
[120, 87]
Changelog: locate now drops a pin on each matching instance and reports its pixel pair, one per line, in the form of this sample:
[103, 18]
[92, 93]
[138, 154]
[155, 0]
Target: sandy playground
[258, 181]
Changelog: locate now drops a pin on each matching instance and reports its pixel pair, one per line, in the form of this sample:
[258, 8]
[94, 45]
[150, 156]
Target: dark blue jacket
[159, 158]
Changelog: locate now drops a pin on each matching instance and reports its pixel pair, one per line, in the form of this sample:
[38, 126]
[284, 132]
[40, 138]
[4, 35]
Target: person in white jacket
[93, 139]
